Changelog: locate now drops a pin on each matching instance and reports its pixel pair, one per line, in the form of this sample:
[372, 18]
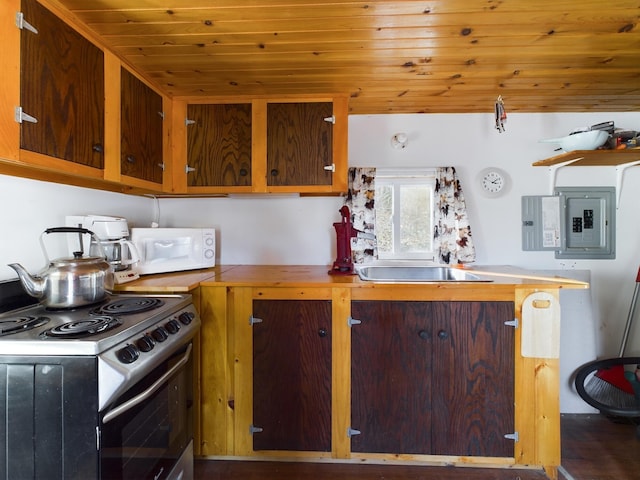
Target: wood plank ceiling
[397, 56]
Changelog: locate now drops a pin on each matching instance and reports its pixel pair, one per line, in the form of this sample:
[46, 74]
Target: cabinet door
[62, 86]
[390, 377]
[433, 378]
[141, 120]
[292, 375]
[472, 378]
[299, 144]
[219, 145]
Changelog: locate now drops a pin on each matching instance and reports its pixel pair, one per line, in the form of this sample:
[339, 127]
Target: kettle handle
[78, 230]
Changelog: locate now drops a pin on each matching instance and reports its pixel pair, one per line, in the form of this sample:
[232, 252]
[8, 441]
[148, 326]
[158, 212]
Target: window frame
[396, 178]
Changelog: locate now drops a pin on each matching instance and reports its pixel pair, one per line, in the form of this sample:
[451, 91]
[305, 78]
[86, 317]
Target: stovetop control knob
[128, 354]
[145, 343]
[160, 334]
[172, 326]
[186, 317]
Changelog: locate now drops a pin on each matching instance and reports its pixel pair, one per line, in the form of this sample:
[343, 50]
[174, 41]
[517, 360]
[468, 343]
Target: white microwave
[174, 249]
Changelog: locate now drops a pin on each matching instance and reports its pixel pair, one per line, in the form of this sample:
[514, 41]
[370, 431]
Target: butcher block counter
[297, 364]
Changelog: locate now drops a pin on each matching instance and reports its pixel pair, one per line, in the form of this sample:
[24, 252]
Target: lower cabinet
[408, 377]
[432, 378]
[292, 375]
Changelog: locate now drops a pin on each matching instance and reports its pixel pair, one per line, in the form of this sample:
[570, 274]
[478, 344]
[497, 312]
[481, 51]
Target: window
[404, 213]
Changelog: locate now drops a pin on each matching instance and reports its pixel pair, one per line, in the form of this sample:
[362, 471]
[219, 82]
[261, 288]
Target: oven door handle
[141, 397]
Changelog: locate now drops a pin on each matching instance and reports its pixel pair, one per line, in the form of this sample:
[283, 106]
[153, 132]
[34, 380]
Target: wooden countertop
[318, 276]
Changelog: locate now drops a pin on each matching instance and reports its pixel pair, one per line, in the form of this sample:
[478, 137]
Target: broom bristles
[615, 376]
[609, 394]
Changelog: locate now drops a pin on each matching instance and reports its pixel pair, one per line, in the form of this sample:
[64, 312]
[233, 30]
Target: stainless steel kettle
[69, 282]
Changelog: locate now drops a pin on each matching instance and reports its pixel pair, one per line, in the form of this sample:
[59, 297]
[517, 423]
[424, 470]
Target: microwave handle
[141, 397]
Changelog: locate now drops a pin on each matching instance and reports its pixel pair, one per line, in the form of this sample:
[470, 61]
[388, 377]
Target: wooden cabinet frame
[227, 356]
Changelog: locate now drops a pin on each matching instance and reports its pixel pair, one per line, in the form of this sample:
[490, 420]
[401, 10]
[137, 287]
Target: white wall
[28, 207]
[291, 230]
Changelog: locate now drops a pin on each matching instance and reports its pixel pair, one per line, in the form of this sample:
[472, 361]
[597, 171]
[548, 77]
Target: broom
[606, 384]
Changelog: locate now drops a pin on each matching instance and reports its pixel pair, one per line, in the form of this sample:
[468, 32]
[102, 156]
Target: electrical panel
[576, 222]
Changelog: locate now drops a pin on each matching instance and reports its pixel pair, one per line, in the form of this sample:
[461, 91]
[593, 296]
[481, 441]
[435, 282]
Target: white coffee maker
[113, 233]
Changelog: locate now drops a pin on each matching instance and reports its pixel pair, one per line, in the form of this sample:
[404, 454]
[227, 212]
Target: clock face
[493, 181]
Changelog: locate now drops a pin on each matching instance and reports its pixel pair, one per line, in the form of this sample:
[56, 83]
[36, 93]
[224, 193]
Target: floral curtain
[360, 200]
[452, 232]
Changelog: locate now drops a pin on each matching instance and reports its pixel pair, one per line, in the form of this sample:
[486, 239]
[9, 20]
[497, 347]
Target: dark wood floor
[593, 448]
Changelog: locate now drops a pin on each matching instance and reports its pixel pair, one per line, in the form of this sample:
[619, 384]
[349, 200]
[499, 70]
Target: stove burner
[125, 306]
[20, 324]
[83, 328]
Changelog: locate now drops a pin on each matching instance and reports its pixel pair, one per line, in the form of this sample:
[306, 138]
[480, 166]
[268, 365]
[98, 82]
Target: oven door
[150, 427]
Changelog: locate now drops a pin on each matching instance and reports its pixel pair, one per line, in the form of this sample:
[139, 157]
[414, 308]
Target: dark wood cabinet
[141, 130]
[265, 145]
[433, 378]
[292, 375]
[299, 143]
[62, 86]
[219, 145]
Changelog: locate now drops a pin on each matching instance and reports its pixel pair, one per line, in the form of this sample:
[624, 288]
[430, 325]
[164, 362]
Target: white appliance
[174, 249]
[113, 233]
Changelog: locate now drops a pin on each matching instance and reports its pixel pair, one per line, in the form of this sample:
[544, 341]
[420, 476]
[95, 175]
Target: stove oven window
[145, 441]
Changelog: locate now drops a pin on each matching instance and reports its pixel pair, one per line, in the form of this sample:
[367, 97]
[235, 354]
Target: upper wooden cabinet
[219, 145]
[62, 87]
[141, 130]
[292, 145]
[300, 144]
[99, 124]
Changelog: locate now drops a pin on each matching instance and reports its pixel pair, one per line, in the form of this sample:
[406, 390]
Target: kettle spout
[34, 286]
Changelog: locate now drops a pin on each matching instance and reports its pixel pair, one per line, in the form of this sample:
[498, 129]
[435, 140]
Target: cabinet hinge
[188, 169]
[253, 320]
[253, 429]
[512, 323]
[22, 24]
[188, 122]
[331, 119]
[330, 168]
[20, 116]
[352, 321]
[352, 431]
[512, 436]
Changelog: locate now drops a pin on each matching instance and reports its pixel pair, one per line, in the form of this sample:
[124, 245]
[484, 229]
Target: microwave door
[163, 250]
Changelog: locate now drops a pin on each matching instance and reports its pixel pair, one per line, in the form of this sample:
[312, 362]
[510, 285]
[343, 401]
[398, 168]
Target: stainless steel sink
[415, 273]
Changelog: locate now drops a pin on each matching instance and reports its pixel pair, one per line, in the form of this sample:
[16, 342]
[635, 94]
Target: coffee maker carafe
[113, 235]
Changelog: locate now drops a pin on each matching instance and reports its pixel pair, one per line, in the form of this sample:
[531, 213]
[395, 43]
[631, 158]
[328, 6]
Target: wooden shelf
[621, 159]
[591, 158]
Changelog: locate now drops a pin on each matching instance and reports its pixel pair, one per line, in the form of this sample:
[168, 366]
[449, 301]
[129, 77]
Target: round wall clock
[493, 181]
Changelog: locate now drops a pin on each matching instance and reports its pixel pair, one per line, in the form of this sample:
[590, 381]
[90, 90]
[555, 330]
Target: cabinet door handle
[423, 334]
[330, 168]
[244, 172]
[331, 119]
[443, 335]
[322, 332]
[274, 172]
[131, 159]
[97, 147]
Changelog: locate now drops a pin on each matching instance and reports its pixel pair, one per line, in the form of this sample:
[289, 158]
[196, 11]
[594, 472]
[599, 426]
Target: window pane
[415, 218]
[384, 218]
